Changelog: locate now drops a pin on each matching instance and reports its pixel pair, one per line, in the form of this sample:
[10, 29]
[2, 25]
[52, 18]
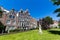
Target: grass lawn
[31, 35]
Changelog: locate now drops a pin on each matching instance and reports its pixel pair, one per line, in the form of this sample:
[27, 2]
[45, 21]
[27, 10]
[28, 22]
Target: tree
[1, 13]
[2, 27]
[48, 20]
[57, 2]
[59, 25]
[45, 22]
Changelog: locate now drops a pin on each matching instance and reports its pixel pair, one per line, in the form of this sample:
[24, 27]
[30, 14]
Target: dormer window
[21, 11]
[13, 11]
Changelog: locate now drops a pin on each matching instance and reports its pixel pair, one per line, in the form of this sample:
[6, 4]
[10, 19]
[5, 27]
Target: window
[11, 16]
[21, 11]
[12, 27]
[21, 19]
[21, 23]
[8, 22]
[14, 22]
[26, 23]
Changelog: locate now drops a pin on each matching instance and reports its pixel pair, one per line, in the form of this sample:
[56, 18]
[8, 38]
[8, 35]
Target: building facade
[14, 20]
[55, 24]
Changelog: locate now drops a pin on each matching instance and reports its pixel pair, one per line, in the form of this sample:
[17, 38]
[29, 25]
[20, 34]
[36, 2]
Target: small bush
[16, 30]
[59, 25]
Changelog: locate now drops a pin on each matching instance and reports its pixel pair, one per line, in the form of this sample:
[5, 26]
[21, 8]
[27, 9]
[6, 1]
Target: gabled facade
[22, 20]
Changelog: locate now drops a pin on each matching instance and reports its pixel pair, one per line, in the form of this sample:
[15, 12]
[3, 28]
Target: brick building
[13, 20]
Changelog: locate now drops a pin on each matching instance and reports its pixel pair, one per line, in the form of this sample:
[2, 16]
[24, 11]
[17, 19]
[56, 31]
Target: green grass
[31, 35]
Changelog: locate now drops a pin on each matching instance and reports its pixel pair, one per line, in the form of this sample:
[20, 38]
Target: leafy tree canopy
[57, 2]
[45, 22]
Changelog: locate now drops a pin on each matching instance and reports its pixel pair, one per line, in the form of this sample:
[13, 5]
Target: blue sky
[37, 8]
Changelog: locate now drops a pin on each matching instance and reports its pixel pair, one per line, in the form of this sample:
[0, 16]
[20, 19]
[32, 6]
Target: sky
[37, 8]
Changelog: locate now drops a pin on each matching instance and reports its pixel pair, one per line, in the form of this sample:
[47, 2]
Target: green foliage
[57, 2]
[58, 15]
[1, 10]
[53, 0]
[1, 13]
[59, 25]
[57, 10]
[16, 30]
[49, 20]
[2, 28]
[45, 22]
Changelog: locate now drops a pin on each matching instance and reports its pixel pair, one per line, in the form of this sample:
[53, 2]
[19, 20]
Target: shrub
[59, 25]
[16, 30]
[2, 27]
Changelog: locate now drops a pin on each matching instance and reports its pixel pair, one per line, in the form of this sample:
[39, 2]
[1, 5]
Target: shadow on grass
[16, 32]
[54, 32]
